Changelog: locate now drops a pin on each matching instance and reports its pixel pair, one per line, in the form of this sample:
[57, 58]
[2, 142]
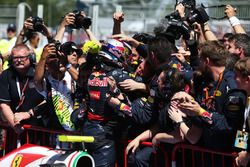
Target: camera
[56, 42]
[37, 24]
[81, 21]
[192, 14]
[178, 28]
[176, 25]
[37, 27]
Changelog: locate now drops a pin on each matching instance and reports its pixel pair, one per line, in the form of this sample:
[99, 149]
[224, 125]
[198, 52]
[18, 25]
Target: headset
[31, 56]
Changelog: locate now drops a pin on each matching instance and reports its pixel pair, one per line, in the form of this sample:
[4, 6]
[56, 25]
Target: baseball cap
[11, 27]
[68, 47]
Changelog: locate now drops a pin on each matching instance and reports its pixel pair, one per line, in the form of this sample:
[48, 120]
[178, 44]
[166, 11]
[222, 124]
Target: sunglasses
[71, 51]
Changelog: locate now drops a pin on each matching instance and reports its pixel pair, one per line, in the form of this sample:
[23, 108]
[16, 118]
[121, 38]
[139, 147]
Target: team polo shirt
[12, 86]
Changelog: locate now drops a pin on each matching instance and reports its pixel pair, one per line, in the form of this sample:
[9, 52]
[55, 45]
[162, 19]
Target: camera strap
[21, 92]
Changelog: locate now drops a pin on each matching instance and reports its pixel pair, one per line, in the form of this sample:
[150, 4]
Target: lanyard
[207, 97]
[21, 92]
[246, 114]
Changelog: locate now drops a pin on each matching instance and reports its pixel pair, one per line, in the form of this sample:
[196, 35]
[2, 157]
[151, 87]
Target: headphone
[31, 56]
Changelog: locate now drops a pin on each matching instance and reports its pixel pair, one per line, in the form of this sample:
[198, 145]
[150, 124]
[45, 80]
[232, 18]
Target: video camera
[177, 27]
[192, 14]
[80, 21]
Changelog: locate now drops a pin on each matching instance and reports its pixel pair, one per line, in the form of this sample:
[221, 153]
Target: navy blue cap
[11, 27]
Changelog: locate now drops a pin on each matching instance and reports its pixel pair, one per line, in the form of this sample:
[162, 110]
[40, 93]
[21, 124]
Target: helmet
[113, 50]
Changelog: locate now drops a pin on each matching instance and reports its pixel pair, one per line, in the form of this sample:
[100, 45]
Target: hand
[191, 108]
[134, 144]
[68, 19]
[242, 159]
[112, 83]
[18, 129]
[180, 8]
[182, 97]
[19, 116]
[197, 27]
[179, 56]
[175, 114]
[156, 141]
[230, 11]
[118, 17]
[46, 32]
[128, 85]
[28, 25]
[49, 49]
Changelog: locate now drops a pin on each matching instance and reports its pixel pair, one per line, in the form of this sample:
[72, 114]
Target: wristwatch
[178, 124]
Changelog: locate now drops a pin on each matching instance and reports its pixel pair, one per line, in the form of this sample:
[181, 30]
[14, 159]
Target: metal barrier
[217, 157]
[181, 153]
[38, 135]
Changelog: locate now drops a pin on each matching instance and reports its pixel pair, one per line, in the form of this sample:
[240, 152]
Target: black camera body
[177, 26]
[81, 21]
[198, 15]
[37, 23]
[56, 42]
[177, 29]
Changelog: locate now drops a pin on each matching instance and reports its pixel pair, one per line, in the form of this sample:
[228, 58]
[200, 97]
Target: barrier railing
[38, 135]
[201, 157]
[193, 155]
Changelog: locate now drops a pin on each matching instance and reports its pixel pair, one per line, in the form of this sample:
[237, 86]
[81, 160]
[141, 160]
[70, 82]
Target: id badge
[241, 139]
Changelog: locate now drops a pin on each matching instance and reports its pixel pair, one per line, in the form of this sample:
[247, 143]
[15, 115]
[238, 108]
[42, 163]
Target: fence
[182, 155]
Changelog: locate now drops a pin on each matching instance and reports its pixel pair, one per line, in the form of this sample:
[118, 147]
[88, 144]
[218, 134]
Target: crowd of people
[142, 87]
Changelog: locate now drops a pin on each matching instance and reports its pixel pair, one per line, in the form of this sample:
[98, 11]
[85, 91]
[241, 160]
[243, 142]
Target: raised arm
[67, 20]
[234, 21]
[118, 18]
[28, 25]
[49, 49]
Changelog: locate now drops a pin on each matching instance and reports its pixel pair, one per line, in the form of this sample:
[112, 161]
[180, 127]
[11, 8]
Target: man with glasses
[19, 100]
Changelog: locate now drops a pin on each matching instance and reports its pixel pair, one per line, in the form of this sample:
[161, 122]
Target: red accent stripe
[94, 117]
[72, 158]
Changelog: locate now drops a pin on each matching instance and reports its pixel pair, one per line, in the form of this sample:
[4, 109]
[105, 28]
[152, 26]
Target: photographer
[29, 32]
[54, 81]
[75, 20]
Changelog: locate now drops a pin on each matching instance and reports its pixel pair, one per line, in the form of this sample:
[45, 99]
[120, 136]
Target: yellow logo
[150, 99]
[17, 160]
[217, 93]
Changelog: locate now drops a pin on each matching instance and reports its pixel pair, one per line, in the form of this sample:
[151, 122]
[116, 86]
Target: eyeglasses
[21, 58]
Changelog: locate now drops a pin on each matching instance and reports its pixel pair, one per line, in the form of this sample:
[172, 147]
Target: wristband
[178, 124]
[206, 115]
[234, 21]
[201, 111]
[121, 106]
